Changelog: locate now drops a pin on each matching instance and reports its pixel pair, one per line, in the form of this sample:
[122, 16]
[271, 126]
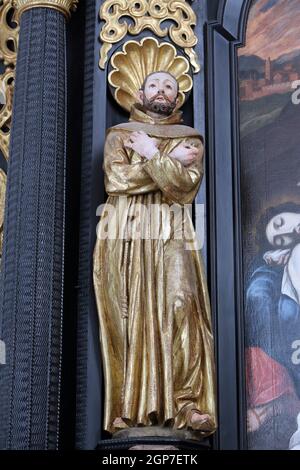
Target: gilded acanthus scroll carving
[152, 15]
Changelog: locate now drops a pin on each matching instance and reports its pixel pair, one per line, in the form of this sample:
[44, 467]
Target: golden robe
[151, 293]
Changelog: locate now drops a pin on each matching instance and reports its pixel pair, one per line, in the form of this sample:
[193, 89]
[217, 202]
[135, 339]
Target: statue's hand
[186, 153]
[141, 143]
[277, 257]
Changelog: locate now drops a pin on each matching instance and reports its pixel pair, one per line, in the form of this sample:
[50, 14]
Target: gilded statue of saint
[151, 292]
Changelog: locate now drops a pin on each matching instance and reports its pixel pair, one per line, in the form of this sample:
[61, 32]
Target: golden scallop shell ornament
[130, 66]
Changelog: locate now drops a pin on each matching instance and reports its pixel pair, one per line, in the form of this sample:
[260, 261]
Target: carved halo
[136, 60]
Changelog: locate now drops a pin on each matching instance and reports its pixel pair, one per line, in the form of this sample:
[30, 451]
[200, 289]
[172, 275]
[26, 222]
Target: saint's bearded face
[283, 230]
[159, 93]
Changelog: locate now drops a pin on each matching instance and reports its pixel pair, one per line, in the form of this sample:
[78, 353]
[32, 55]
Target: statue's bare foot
[200, 421]
[119, 423]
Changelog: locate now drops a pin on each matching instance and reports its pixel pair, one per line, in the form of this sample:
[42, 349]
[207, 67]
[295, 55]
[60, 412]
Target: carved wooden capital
[64, 6]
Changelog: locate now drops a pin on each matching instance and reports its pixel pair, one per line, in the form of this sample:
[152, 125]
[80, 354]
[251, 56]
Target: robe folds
[149, 281]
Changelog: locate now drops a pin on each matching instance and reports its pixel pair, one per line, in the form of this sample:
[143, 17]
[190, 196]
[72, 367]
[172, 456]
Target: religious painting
[269, 80]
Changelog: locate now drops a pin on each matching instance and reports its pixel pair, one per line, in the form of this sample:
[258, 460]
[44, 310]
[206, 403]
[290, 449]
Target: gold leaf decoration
[151, 15]
[6, 97]
[137, 59]
[9, 35]
[64, 6]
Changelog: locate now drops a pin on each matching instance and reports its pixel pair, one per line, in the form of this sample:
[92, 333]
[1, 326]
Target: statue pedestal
[155, 438]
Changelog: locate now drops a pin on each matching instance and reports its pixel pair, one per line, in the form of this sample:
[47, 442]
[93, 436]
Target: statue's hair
[261, 238]
[158, 71]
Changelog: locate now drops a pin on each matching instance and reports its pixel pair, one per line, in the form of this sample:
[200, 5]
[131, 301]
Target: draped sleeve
[179, 183]
[122, 176]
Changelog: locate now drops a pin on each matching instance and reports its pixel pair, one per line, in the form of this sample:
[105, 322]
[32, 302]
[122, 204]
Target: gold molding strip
[151, 15]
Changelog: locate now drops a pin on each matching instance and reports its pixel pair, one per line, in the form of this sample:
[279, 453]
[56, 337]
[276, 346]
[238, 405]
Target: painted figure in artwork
[273, 304]
[152, 299]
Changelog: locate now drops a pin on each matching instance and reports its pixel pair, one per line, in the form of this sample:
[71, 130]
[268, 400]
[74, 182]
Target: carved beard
[157, 107]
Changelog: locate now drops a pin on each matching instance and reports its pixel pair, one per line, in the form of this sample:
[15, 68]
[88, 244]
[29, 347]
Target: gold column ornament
[6, 96]
[9, 36]
[64, 6]
[151, 15]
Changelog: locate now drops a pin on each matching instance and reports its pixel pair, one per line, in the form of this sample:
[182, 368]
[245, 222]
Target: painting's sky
[273, 28]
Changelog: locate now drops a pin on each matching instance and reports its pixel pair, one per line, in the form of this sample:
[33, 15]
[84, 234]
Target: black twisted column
[32, 271]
